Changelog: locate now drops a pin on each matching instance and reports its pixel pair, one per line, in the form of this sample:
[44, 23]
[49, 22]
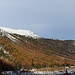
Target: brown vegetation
[38, 53]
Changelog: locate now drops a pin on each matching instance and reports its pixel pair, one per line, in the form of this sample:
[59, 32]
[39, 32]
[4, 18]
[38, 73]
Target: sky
[46, 18]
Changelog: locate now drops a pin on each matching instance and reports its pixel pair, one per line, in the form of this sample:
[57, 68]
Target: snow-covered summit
[20, 32]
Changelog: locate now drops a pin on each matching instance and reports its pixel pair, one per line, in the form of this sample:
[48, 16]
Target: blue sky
[47, 18]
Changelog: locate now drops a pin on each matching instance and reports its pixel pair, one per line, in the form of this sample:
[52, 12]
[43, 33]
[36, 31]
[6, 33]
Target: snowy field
[71, 72]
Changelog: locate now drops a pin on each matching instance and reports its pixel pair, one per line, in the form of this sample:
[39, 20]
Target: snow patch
[11, 37]
[6, 52]
[20, 32]
[5, 33]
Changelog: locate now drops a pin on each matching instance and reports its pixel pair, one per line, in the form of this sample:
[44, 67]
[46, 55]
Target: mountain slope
[28, 52]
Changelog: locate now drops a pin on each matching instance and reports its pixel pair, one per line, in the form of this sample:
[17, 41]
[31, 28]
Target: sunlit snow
[20, 32]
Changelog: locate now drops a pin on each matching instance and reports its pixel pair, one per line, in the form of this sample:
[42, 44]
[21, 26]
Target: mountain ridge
[29, 52]
[20, 32]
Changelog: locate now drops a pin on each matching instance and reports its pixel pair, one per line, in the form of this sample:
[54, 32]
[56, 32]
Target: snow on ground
[11, 38]
[71, 72]
[20, 32]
